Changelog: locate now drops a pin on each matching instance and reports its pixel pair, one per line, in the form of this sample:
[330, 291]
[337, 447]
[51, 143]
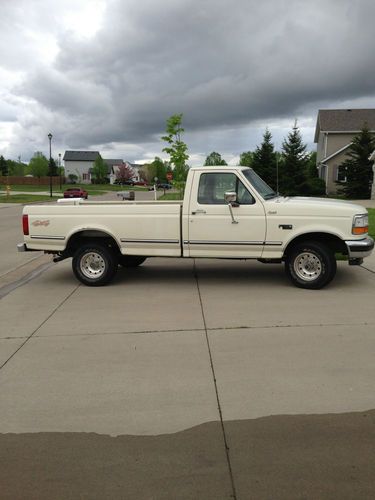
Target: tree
[358, 167]
[38, 166]
[214, 159]
[16, 168]
[292, 178]
[246, 159]
[3, 166]
[264, 160]
[124, 173]
[160, 169]
[100, 171]
[176, 148]
[52, 168]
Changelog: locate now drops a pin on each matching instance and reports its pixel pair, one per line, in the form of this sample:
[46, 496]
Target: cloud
[232, 68]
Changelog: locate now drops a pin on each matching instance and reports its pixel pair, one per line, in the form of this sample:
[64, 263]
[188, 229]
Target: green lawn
[171, 196]
[94, 189]
[25, 198]
[371, 218]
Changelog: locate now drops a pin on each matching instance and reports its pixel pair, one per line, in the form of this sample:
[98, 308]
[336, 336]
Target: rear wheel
[131, 260]
[94, 264]
[310, 265]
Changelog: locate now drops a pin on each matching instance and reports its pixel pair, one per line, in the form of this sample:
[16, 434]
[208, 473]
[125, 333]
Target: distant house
[80, 163]
[113, 166]
[335, 129]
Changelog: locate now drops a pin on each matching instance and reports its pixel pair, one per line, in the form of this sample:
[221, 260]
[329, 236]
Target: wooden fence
[30, 181]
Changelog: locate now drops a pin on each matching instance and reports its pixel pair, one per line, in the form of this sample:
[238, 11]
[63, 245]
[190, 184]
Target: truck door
[211, 230]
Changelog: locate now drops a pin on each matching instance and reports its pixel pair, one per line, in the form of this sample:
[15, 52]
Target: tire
[94, 264]
[310, 265]
[131, 260]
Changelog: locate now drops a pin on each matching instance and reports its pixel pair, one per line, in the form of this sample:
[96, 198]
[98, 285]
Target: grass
[26, 198]
[170, 196]
[94, 189]
[371, 220]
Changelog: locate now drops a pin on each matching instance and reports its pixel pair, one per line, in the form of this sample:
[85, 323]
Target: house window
[85, 177]
[341, 174]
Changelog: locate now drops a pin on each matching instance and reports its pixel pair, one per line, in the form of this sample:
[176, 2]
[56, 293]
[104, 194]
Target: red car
[76, 192]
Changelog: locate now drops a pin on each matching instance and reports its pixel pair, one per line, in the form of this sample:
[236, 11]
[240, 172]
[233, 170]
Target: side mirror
[231, 198]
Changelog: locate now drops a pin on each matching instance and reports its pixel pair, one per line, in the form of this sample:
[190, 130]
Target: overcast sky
[106, 74]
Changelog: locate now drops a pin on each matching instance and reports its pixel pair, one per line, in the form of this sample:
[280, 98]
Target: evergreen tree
[214, 159]
[264, 160]
[358, 167]
[292, 173]
[3, 166]
[52, 167]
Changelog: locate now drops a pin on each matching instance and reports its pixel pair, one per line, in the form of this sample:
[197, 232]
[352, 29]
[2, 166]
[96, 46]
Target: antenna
[277, 175]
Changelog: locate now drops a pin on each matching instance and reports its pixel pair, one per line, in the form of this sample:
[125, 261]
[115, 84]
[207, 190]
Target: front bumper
[357, 249]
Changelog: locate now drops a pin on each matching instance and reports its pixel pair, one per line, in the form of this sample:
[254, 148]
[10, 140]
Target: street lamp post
[60, 169]
[50, 164]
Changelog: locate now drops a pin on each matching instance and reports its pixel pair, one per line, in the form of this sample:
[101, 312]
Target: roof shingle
[344, 120]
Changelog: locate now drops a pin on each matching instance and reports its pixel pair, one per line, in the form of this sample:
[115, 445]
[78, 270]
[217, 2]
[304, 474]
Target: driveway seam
[234, 495]
[184, 330]
[43, 322]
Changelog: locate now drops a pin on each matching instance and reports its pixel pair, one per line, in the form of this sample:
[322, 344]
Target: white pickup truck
[227, 212]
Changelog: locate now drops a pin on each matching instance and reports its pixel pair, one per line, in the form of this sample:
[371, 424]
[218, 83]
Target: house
[80, 163]
[335, 129]
[114, 166]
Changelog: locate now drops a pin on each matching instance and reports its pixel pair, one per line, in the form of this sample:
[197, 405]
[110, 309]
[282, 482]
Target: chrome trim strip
[128, 240]
[244, 243]
[47, 237]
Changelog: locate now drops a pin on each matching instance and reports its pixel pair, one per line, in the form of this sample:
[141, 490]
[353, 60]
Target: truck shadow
[222, 273]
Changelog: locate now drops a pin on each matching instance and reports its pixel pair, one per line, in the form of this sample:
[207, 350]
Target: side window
[212, 188]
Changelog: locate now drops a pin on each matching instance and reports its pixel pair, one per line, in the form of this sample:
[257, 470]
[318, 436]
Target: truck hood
[314, 206]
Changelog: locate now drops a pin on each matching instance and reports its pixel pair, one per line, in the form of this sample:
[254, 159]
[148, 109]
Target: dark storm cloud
[223, 64]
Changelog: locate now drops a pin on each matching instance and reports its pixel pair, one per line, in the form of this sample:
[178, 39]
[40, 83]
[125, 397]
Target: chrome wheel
[307, 266]
[92, 265]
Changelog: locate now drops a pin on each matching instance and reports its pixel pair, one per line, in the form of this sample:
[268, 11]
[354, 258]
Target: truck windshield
[263, 189]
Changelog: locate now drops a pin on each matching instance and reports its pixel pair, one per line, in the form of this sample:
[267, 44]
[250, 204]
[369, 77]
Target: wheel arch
[332, 241]
[83, 236]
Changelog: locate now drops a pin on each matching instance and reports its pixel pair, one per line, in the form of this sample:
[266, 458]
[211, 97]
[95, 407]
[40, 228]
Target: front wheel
[94, 264]
[310, 265]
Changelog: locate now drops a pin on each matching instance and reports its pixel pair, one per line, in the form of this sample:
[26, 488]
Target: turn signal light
[360, 230]
[360, 224]
[25, 224]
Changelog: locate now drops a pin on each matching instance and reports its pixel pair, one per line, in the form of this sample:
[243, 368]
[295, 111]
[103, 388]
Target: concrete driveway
[188, 379]
[183, 379]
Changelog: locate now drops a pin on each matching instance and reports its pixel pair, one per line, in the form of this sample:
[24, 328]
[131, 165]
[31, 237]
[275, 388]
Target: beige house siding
[80, 169]
[337, 142]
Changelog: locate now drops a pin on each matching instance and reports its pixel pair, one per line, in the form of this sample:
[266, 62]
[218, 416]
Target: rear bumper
[360, 248]
[21, 247]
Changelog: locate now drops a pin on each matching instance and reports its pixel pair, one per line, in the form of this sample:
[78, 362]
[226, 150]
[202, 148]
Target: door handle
[199, 211]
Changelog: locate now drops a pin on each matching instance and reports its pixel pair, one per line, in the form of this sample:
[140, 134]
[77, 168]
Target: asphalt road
[188, 379]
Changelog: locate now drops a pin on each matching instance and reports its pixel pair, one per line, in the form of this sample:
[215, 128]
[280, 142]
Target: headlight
[360, 224]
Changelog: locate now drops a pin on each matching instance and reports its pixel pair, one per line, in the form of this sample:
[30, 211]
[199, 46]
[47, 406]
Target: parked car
[75, 192]
[124, 183]
[164, 185]
[140, 183]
